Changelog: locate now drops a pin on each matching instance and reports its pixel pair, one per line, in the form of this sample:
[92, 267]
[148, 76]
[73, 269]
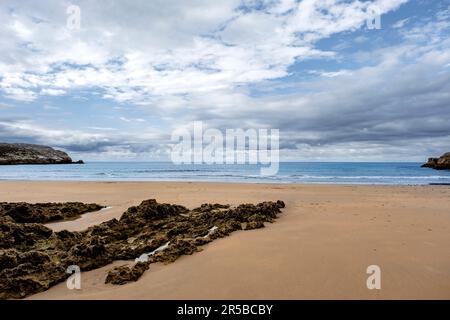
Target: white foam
[144, 257]
[211, 231]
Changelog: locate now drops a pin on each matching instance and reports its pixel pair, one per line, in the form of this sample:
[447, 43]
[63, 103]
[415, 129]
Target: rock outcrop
[33, 258]
[22, 212]
[441, 163]
[20, 153]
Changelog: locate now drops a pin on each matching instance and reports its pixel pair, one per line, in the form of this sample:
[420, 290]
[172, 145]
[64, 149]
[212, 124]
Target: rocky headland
[441, 163]
[21, 153]
[33, 257]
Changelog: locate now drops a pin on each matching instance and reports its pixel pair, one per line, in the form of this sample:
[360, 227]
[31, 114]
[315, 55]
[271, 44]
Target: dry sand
[319, 248]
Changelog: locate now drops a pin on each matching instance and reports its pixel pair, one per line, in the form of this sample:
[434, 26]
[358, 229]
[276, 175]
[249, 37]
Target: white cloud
[131, 120]
[162, 50]
[331, 74]
[19, 94]
[400, 23]
[52, 92]
[50, 107]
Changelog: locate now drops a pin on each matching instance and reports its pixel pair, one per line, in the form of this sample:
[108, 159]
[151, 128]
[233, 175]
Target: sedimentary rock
[441, 163]
[45, 212]
[21, 153]
[33, 258]
[124, 274]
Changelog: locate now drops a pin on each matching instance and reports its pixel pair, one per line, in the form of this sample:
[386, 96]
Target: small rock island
[21, 153]
[441, 163]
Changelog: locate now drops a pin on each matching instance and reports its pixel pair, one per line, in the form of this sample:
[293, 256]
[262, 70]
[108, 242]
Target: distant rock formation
[441, 163]
[21, 153]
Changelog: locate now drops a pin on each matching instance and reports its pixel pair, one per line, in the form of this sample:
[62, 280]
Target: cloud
[52, 92]
[50, 107]
[106, 142]
[396, 107]
[131, 120]
[5, 106]
[232, 64]
[171, 49]
[400, 23]
[331, 74]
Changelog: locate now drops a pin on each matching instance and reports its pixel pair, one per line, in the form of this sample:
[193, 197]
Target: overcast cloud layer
[136, 70]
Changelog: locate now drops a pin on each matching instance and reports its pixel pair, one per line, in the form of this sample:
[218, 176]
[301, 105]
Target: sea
[379, 173]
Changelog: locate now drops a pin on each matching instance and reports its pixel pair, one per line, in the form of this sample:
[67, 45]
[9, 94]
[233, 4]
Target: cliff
[441, 163]
[20, 153]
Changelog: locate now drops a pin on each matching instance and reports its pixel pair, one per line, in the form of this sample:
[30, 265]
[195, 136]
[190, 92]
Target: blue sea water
[289, 172]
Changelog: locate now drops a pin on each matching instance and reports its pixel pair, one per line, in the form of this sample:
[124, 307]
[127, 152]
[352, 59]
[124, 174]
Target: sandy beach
[319, 248]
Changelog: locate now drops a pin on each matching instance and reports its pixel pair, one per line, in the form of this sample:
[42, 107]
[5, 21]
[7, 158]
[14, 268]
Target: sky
[115, 86]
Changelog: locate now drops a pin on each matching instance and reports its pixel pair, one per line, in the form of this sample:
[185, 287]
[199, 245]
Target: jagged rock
[90, 254]
[441, 163]
[8, 259]
[124, 274]
[45, 212]
[29, 277]
[176, 249]
[254, 225]
[25, 272]
[21, 236]
[33, 258]
[21, 153]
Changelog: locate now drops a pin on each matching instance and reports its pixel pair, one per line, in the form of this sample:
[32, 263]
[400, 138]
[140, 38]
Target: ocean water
[289, 172]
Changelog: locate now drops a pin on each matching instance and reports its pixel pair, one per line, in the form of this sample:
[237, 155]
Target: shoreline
[318, 248]
[314, 173]
[230, 182]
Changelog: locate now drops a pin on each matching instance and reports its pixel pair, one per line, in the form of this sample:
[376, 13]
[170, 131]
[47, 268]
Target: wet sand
[319, 248]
